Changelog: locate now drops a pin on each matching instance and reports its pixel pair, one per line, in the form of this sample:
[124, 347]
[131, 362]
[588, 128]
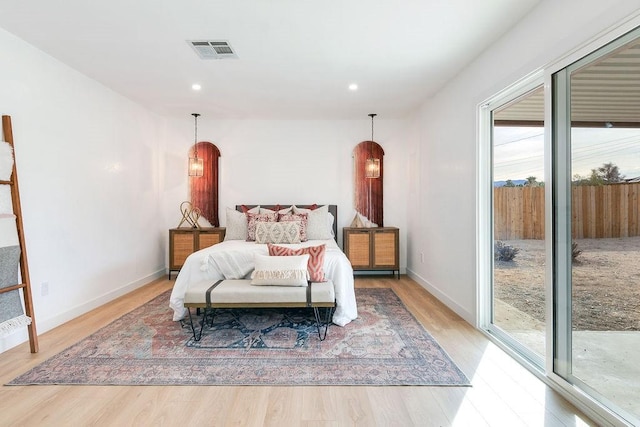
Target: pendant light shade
[196, 165]
[372, 164]
[372, 168]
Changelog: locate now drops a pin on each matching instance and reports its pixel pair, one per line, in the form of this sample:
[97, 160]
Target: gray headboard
[333, 209]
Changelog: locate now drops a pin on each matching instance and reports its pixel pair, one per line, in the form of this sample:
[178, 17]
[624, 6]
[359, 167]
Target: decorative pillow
[278, 232]
[236, 225]
[253, 218]
[280, 270]
[278, 209]
[316, 258]
[301, 218]
[317, 222]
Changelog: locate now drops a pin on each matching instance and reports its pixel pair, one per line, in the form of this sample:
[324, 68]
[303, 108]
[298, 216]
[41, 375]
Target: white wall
[88, 168]
[291, 161]
[442, 216]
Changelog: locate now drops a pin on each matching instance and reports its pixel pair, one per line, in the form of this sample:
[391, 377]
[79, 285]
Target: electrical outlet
[44, 289]
[422, 257]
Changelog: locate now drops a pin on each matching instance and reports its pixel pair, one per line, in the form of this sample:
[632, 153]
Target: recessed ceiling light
[196, 86]
[353, 86]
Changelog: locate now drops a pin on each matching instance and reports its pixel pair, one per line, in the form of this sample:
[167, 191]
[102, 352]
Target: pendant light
[372, 165]
[196, 166]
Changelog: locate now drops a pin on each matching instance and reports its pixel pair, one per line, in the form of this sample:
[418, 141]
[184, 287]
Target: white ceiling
[295, 57]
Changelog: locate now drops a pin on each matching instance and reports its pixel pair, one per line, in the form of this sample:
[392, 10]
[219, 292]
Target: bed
[233, 258]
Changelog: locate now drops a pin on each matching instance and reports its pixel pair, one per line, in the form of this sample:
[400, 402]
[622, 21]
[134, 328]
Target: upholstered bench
[240, 293]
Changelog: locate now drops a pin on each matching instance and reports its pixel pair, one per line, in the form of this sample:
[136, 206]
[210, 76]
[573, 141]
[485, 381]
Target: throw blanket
[11, 312]
[232, 264]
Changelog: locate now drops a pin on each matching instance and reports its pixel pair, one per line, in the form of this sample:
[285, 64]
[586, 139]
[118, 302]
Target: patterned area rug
[384, 346]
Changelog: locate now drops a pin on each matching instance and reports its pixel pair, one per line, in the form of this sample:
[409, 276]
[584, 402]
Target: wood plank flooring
[503, 393]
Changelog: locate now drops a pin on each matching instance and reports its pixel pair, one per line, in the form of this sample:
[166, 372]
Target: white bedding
[234, 259]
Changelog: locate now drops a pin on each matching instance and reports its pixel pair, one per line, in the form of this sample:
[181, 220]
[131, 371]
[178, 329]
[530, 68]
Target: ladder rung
[13, 288]
[6, 182]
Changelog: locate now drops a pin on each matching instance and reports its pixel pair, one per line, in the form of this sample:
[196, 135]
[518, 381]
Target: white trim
[444, 298]
[549, 225]
[81, 309]
[45, 325]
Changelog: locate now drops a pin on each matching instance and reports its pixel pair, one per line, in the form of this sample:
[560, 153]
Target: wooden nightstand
[185, 241]
[373, 248]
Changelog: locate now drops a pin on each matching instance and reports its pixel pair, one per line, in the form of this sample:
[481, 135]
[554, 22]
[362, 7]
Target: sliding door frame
[485, 239]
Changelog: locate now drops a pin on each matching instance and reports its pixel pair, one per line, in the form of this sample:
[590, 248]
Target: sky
[519, 151]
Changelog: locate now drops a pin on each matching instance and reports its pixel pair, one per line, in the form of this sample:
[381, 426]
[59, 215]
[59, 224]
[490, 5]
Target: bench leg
[197, 337]
[327, 319]
[193, 329]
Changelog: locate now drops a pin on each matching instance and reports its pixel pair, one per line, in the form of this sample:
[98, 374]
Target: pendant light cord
[372, 115]
[195, 142]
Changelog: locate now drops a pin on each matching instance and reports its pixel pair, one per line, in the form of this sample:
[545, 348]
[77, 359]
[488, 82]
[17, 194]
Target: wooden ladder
[24, 265]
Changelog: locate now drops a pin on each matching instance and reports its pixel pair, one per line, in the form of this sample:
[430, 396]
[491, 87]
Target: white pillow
[317, 222]
[278, 232]
[280, 270]
[236, 225]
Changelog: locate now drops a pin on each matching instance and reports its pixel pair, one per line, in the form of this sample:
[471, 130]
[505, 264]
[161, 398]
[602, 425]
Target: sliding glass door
[559, 225]
[596, 139]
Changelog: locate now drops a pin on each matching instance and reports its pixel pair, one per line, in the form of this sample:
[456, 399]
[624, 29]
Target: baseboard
[444, 298]
[44, 325]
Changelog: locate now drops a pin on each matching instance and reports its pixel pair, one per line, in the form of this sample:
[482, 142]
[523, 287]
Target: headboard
[333, 210]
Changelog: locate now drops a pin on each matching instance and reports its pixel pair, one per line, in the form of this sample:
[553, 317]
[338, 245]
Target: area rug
[385, 345]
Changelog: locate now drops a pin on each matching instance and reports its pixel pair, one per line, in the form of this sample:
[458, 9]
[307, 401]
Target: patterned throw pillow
[253, 218]
[278, 232]
[316, 258]
[302, 218]
[280, 270]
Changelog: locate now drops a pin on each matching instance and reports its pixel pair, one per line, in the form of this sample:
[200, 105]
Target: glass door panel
[605, 225]
[518, 293]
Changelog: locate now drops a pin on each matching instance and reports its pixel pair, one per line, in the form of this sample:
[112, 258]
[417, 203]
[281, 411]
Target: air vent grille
[213, 49]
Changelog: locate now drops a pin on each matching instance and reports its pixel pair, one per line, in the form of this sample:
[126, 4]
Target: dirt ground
[605, 276]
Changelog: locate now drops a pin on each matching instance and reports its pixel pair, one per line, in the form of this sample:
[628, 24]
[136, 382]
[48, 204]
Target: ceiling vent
[213, 49]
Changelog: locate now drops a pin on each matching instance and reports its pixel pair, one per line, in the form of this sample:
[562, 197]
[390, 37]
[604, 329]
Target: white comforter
[234, 259]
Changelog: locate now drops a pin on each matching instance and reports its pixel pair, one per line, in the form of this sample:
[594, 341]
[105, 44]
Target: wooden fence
[597, 211]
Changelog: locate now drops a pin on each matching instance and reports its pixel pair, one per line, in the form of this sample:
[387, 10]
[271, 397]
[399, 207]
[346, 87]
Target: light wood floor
[502, 394]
